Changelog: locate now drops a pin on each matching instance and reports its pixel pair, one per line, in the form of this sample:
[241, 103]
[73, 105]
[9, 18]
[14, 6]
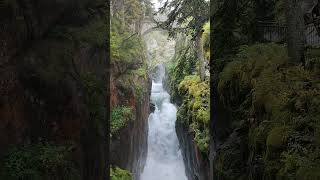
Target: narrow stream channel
[164, 160]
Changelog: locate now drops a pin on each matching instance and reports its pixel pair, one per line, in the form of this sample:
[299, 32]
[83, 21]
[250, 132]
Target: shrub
[196, 107]
[120, 116]
[39, 162]
[120, 174]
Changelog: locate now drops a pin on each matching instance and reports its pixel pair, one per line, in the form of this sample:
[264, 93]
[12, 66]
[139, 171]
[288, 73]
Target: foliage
[141, 72]
[125, 45]
[233, 25]
[183, 65]
[186, 16]
[129, 10]
[281, 102]
[38, 162]
[120, 174]
[120, 116]
[195, 110]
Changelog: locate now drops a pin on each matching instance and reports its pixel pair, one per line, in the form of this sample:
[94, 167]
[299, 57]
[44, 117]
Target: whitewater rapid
[164, 159]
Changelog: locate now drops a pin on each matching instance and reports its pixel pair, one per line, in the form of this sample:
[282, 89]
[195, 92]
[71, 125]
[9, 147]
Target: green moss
[196, 107]
[277, 137]
[281, 103]
[120, 174]
[38, 162]
[120, 116]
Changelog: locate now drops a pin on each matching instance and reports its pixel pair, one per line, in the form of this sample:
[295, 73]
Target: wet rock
[128, 148]
[152, 107]
[196, 164]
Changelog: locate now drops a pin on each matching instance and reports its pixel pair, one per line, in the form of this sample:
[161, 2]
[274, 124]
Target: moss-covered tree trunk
[200, 56]
[295, 31]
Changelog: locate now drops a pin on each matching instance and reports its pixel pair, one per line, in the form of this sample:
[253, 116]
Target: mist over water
[164, 160]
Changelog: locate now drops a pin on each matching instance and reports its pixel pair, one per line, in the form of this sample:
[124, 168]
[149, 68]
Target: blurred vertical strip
[108, 59]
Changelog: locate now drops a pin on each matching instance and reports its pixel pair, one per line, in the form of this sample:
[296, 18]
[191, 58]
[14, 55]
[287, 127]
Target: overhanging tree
[189, 17]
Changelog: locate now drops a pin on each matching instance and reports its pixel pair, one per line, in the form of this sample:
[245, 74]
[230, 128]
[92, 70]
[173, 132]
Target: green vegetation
[120, 174]
[139, 92]
[141, 72]
[195, 109]
[126, 45]
[120, 117]
[192, 94]
[282, 100]
[183, 65]
[38, 162]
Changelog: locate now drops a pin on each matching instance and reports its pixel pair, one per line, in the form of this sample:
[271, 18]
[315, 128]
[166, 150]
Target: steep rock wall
[197, 167]
[44, 90]
[129, 145]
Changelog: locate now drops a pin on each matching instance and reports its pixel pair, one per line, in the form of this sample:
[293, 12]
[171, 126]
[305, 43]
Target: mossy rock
[277, 137]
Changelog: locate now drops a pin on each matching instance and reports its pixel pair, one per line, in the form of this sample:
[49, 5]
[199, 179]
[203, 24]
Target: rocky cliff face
[129, 144]
[197, 165]
[52, 70]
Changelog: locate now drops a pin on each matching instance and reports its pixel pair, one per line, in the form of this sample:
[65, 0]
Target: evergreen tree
[189, 17]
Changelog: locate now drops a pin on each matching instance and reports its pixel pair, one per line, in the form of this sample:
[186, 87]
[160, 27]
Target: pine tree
[189, 17]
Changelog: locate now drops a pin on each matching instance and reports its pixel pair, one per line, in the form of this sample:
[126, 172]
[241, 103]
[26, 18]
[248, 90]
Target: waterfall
[164, 159]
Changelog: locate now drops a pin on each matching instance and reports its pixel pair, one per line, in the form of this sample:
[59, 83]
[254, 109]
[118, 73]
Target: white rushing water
[164, 160]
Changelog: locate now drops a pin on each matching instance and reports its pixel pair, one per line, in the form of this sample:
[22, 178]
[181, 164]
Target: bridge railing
[271, 32]
[275, 32]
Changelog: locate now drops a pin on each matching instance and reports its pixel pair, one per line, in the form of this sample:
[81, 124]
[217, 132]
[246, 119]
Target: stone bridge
[149, 25]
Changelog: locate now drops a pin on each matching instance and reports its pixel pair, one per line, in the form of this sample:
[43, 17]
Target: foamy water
[164, 160]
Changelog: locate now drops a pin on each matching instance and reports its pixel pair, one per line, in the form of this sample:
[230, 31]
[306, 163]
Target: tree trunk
[295, 31]
[200, 56]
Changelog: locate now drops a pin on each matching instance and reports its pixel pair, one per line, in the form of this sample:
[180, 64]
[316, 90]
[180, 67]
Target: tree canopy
[187, 16]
